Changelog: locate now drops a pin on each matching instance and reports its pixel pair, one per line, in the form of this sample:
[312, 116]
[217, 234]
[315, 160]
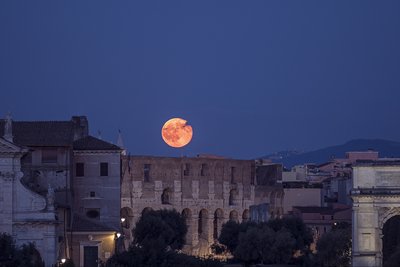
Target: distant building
[301, 197]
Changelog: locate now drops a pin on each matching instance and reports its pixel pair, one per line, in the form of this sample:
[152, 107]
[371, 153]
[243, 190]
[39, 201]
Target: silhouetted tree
[294, 225]
[230, 233]
[334, 248]
[161, 228]
[157, 237]
[12, 256]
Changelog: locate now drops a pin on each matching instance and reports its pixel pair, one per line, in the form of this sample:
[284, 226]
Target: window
[93, 213]
[186, 171]
[233, 169]
[103, 169]
[165, 197]
[49, 155]
[80, 169]
[203, 171]
[146, 172]
[92, 194]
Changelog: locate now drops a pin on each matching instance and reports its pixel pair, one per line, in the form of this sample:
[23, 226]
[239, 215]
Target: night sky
[251, 77]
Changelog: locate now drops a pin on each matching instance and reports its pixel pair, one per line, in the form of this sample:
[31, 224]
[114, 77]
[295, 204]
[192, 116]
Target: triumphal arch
[376, 200]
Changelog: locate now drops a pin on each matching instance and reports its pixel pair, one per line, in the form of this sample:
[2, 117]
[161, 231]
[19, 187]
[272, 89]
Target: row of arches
[203, 221]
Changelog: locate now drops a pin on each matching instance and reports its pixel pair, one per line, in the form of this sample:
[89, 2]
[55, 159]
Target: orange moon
[176, 133]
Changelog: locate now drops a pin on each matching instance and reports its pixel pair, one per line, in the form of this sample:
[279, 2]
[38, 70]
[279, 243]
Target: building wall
[207, 191]
[24, 214]
[105, 243]
[375, 195]
[300, 197]
[95, 192]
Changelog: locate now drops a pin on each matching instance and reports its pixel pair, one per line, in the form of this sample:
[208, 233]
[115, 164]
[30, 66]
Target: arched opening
[246, 215]
[218, 220]
[203, 224]
[166, 196]
[147, 209]
[233, 216]
[187, 216]
[391, 241]
[233, 197]
[126, 217]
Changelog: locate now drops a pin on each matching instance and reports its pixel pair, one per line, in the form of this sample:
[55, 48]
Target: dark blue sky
[251, 77]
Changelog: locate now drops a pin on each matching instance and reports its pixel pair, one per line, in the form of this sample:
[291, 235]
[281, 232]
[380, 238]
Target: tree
[230, 233]
[249, 248]
[162, 229]
[334, 248]
[300, 232]
[7, 250]
[158, 236]
[283, 246]
[13, 256]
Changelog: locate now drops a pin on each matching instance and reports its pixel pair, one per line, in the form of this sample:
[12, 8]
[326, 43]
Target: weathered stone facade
[207, 191]
[376, 199]
[26, 215]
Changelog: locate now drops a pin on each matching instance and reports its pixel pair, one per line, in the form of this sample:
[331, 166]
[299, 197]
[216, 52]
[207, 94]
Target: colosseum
[208, 191]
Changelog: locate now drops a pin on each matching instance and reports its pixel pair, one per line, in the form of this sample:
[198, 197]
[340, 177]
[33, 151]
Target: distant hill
[386, 149]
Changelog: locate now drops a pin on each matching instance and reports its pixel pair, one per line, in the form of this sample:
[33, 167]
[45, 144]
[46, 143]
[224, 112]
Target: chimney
[81, 127]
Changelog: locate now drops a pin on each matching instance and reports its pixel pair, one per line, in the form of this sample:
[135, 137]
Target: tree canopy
[13, 256]
[161, 228]
[334, 248]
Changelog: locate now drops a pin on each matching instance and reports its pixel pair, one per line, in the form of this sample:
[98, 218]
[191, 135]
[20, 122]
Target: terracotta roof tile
[41, 133]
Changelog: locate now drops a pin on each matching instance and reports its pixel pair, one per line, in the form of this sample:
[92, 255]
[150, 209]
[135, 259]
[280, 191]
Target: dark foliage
[160, 229]
[230, 233]
[12, 256]
[334, 248]
[300, 232]
[263, 245]
[141, 257]
[158, 236]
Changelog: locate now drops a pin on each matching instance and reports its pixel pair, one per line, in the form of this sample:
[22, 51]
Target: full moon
[176, 133]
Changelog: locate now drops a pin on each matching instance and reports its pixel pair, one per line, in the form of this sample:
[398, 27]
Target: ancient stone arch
[233, 216]
[166, 196]
[246, 215]
[376, 199]
[233, 197]
[126, 217]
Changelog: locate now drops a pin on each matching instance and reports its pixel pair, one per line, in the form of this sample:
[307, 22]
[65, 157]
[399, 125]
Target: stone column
[193, 234]
[210, 226]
